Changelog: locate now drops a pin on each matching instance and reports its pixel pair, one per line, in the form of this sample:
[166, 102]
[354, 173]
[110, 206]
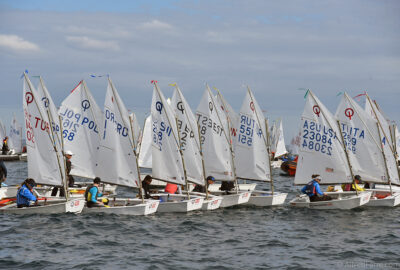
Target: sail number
[316, 137]
[71, 122]
[160, 130]
[206, 123]
[186, 133]
[246, 130]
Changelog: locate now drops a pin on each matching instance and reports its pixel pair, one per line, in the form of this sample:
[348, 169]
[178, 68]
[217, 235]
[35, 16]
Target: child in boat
[312, 189]
[91, 194]
[354, 186]
[202, 189]
[25, 193]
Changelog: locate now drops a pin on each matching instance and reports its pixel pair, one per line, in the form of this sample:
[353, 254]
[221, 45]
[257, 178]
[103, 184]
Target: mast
[228, 138]
[183, 159]
[137, 162]
[384, 158]
[269, 157]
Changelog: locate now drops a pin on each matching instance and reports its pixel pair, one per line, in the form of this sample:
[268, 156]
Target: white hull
[8, 192]
[341, 200]
[133, 207]
[175, 203]
[23, 157]
[212, 203]
[51, 207]
[265, 198]
[242, 187]
[234, 198]
[387, 187]
[391, 200]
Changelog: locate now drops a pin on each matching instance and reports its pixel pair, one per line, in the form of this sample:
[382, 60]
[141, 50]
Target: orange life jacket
[171, 188]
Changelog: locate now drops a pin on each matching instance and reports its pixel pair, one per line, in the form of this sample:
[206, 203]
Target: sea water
[242, 237]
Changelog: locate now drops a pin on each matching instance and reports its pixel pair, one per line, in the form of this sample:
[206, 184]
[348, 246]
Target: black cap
[97, 180]
[357, 177]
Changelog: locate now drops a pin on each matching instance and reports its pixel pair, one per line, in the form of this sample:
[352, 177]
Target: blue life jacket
[24, 196]
[310, 188]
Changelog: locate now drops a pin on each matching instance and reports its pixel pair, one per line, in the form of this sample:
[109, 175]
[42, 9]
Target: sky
[276, 48]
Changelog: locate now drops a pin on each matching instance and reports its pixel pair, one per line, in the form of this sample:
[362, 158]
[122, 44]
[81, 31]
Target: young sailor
[312, 189]
[25, 193]
[5, 149]
[91, 194]
[146, 187]
[355, 186]
[198, 188]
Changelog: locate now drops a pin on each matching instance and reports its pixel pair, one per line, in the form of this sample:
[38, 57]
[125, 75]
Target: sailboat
[217, 148]
[190, 144]
[117, 158]
[81, 119]
[252, 156]
[323, 152]
[167, 157]
[383, 196]
[10, 155]
[46, 164]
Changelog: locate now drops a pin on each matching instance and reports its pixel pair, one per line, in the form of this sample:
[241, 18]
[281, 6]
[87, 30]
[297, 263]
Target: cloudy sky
[275, 47]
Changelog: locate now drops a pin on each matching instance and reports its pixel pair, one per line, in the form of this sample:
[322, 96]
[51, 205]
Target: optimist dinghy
[45, 151]
[252, 152]
[117, 159]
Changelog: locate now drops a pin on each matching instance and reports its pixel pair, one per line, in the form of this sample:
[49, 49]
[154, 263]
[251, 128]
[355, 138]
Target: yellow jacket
[354, 187]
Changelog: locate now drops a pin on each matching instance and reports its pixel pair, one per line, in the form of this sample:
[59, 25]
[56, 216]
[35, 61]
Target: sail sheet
[386, 140]
[189, 137]
[231, 115]
[116, 162]
[15, 136]
[145, 158]
[362, 141]
[251, 152]
[166, 157]
[81, 118]
[280, 143]
[214, 138]
[321, 151]
[45, 160]
[3, 132]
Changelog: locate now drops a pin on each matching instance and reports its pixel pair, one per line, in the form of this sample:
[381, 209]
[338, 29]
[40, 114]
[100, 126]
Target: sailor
[3, 173]
[354, 186]
[25, 193]
[198, 188]
[146, 186]
[227, 186]
[91, 194]
[68, 155]
[5, 149]
[312, 189]
[71, 181]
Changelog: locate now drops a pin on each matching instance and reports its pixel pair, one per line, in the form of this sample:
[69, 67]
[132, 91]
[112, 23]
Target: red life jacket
[171, 188]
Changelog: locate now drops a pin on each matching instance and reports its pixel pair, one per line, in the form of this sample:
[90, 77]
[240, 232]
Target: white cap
[69, 153]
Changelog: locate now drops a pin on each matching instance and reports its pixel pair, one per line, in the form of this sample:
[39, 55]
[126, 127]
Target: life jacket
[171, 188]
[88, 195]
[310, 188]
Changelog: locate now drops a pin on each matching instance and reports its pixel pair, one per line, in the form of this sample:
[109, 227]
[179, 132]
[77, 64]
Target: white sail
[45, 160]
[386, 140]
[321, 149]
[137, 132]
[396, 137]
[295, 144]
[251, 153]
[214, 139]
[273, 136]
[189, 135]
[15, 136]
[81, 118]
[51, 111]
[145, 157]
[3, 132]
[231, 115]
[280, 149]
[361, 137]
[116, 162]
[166, 158]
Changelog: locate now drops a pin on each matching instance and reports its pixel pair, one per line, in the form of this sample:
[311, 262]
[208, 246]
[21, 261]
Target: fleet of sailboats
[183, 148]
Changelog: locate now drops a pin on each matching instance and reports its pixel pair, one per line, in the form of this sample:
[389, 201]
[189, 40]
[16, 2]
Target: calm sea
[236, 238]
